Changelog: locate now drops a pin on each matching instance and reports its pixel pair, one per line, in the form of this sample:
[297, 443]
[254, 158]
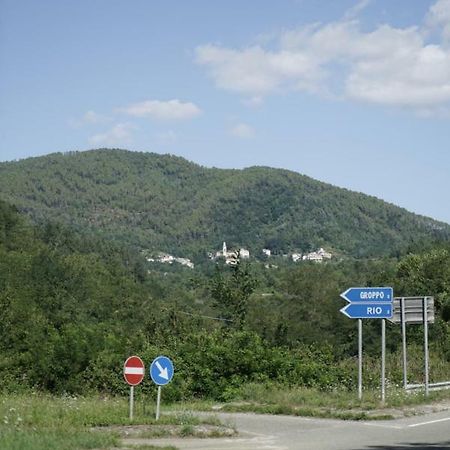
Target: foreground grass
[44, 422]
[53, 438]
[269, 399]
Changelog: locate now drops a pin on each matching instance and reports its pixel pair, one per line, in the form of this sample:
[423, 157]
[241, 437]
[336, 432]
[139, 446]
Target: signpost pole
[403, 321]
[161, 372]
[425, 336]
[383, 359]
[158, 402]
[133, 372]
[359, 359]
[370, 303]
[131, 401]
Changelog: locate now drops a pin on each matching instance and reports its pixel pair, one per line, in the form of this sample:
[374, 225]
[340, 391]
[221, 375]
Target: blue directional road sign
[368, 310]
[161, 370]
[368, 294]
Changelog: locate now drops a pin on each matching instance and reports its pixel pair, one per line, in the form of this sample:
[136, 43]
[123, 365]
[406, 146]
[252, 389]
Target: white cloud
[356, 9]
[255, 71]
[387, 66]
[439, 17]
[93, 117]
[414, 76]
[163, 110]
[119, 134]
[242, 130]
[89, 118]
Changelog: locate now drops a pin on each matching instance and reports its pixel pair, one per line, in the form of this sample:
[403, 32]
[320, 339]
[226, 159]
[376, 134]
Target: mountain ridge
[165, 202]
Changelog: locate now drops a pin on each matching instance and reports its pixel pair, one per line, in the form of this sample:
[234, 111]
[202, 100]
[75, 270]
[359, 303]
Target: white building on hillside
[296, 257]
[165, 258]
[244, 253]
[317, 256]
[324, 254]
[185, 262]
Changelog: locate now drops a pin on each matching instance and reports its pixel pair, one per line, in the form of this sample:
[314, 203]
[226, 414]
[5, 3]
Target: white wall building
[324, 254]
[317, 256]
[244, 253]
[296, 257]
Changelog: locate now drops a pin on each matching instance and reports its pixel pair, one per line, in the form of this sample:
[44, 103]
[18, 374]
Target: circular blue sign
[161, 370]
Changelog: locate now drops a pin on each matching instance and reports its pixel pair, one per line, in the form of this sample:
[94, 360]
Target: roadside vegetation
[74, 306]
[337, 404]
[35, 421]
[38, 421]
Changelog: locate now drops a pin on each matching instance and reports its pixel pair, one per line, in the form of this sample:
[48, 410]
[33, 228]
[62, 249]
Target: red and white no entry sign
[133, 370]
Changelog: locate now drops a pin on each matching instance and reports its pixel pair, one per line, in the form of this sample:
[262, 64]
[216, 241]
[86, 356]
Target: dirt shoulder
[354, 413]
[416, 410]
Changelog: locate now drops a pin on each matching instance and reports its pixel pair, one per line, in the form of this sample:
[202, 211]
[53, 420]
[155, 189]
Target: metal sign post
[383, 360]
[405, 362]
[369, 303]
[158, 403]
[131, 401]
[425, 344]
[360, 359]
[161, 372]
[414, 310]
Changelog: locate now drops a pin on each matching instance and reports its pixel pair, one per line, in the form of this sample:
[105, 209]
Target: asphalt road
[265, 432]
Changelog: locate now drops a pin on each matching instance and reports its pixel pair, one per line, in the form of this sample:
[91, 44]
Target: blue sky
[354, 93]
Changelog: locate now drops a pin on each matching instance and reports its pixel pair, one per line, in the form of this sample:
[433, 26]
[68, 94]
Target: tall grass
[343, 404]
[53, 439]
[38, 421]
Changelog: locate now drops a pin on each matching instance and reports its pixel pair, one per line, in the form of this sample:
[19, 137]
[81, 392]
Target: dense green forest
[165, 203]
[74, 305]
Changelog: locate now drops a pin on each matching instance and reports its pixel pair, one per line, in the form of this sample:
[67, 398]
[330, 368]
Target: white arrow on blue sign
[368, 294]
[368, 310]
[161, 370]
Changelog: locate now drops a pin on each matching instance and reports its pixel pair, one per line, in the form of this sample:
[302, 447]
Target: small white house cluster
[165, 258]
[233, 256]
[317, 256]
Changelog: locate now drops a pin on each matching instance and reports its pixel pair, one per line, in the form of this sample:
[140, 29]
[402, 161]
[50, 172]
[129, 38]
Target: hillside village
[232, 257]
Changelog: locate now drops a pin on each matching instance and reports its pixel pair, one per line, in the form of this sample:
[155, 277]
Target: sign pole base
[131, 401]
[158, 403]
[405, 362]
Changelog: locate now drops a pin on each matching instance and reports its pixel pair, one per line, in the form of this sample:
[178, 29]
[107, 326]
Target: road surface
[266, 432]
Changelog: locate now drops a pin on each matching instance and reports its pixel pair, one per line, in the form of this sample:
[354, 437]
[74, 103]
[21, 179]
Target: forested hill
[165, 203]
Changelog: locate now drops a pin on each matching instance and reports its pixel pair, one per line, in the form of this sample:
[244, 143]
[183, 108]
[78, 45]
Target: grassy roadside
[36, 421]
[336, 404]
[43, 422]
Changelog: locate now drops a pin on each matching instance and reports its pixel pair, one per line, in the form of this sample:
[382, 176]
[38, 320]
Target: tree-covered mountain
[166, 203]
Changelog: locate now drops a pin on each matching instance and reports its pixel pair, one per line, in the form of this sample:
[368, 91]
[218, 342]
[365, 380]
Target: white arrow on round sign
[161, 370]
